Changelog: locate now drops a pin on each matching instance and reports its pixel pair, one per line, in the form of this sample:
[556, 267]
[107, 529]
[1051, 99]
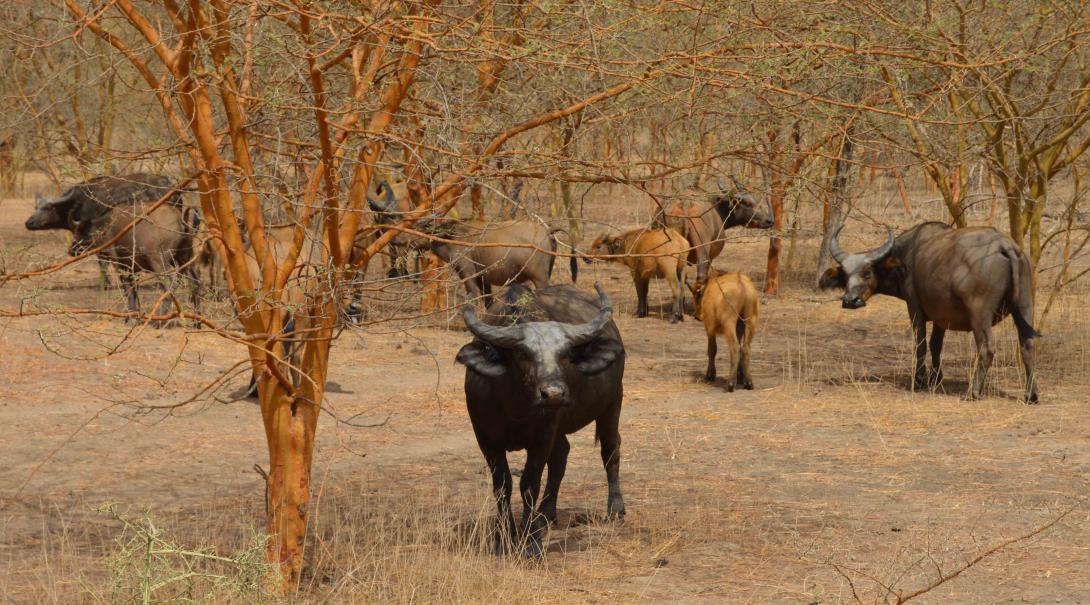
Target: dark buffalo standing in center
[958, 279]
[704, 225]
[161, 241]
[544, 364]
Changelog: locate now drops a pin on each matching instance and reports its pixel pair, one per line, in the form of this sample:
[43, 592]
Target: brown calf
[657, 253]
[729, 306]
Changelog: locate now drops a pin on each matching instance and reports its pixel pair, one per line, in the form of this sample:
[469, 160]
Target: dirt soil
[831, 477]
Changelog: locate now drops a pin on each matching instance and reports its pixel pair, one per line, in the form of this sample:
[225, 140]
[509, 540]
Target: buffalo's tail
[572, 260]
[192, 218]
[1021, 292]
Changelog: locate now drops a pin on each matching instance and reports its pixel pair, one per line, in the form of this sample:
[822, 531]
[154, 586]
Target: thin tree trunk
[839, 193]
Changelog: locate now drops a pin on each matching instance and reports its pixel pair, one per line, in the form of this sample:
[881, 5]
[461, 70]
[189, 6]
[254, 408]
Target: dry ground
[830, 477]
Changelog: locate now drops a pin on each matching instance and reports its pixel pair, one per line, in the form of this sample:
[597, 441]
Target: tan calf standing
[729, 306]
[657, 253]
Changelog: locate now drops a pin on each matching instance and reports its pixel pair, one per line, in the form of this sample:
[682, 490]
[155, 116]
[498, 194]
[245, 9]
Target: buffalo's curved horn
[737, 184]
[500, 336]
[880, 253]
[386, 205]
[719, 183]
[580, 334]
[839, 255]
[41, 201]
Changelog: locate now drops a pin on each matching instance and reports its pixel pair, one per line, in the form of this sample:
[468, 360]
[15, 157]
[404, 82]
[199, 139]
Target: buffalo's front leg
[128, 283]
[919, 333]
[167, 287]
[103, 275]
[534, 523]
[558, 463]
[504, 537]
[609, 436]
[641, 296]
[937, 335]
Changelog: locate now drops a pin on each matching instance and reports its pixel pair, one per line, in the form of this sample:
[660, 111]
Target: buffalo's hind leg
[745, 332]
[609, 435]
[558, 463]
[713, 349]
[731, 336]
[937, 335]
[985, 346]
[504, 536]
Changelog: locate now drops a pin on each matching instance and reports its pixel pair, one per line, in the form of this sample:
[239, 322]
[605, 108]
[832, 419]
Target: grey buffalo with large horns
[544, 364]
[958, 279]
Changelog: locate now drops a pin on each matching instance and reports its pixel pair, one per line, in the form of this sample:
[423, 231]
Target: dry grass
[831, 477]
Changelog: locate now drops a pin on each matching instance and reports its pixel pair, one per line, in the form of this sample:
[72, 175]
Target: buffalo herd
[546, 361]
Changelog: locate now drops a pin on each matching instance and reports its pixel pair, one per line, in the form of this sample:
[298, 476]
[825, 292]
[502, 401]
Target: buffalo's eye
[581, 353]
[491, 354]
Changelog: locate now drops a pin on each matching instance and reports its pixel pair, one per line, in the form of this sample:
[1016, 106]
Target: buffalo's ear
[482, 359]
[833, 278]
[597, 355]
[892, 268]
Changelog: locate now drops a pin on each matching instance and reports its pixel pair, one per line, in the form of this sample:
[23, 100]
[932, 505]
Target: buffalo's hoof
[1032, 399]
[502, 543]
[534, 549]
[748, 385]
[970, 396]
[641, 314]
[730, 387]
[919, 382]
[674, 319]
[615, 510]
[549, 512]
[935, 378]
[709, 378]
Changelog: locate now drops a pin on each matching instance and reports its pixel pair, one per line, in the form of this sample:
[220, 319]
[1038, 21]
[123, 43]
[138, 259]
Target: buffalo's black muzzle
[853, 302]
[554, 395]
